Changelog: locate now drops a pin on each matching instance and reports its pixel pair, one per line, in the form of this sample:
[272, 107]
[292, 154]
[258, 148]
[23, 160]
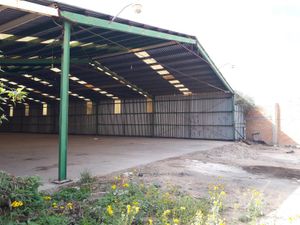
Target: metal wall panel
[203, 116]
[240, 122]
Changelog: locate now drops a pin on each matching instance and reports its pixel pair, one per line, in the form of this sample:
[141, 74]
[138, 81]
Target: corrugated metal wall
[240, 123]
[34, 123]
[205, 116]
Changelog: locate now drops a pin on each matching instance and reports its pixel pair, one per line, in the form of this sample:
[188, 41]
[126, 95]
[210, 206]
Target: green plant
[217, 195]
[135, 203]
[86, 177]
[254, 208]
[19, 197]
[125, 203]
[72, 194]
[9, 95]
[50, 220]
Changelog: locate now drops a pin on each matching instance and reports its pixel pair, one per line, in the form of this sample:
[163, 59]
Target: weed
[86, 177]
[254, 208]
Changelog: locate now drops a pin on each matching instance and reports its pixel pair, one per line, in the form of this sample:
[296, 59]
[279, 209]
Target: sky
[254, 43]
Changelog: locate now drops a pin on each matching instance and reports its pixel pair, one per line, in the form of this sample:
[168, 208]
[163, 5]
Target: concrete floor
[37, 154]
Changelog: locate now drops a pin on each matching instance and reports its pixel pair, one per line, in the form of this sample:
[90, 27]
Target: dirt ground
[274, 171]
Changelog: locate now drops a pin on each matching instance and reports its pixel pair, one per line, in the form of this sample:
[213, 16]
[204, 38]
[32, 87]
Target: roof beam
[136, 50]
[18, 22]
[99, 67]
[93, 21]
[30, 7]
[34, 62]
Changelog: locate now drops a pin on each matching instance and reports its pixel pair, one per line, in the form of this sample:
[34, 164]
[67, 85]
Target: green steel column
[64, 104]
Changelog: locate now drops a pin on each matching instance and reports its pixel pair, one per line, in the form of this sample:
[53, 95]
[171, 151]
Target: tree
[9, 95]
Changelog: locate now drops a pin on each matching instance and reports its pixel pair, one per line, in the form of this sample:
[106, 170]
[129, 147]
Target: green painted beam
[64, 104]
[37, 62]
[96, 22]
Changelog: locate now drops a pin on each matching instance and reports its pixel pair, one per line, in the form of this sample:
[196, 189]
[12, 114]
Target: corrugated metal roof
[113, 49]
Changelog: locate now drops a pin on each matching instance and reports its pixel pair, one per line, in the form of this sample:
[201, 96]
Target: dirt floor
[37, 154]
[274, 171]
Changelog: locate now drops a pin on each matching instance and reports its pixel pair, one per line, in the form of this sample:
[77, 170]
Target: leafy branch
[10, 95]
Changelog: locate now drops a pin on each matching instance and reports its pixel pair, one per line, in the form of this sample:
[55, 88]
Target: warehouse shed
[86, 74]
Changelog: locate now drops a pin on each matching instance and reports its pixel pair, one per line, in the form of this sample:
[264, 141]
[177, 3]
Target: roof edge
[213, 66]
[97, 22]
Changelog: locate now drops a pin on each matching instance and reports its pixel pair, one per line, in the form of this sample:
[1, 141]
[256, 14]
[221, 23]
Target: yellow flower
[125, 185]
[256, 193]
[223, 193]
[182, 208]
[117, 178]
[61, 207]
[128, 209]
[176, 221]
[150, 221]
[16, 204]
[257, 202]
[47, 198]
[54, 205]
[110, 210]
[70, 205]
[221, 222]
[136, 203]
[166, 212]
[136, 209]
[114, 187]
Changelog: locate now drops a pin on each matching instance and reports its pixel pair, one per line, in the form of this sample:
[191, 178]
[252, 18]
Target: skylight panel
[187, 93]
[86, 44]
[27, 39]
[55, 69]
[174, 81]
[74, 78]
[149, 61]
[142, 54]
[5, 36]
[163, 72]
[183, 89]
[169, 77]
[89, 85]
[156, 67]
[48, 41]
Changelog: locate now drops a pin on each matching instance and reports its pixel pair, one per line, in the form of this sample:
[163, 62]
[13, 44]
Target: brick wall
[274, 124]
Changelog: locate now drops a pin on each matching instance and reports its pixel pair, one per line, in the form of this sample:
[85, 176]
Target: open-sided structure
[108, 78]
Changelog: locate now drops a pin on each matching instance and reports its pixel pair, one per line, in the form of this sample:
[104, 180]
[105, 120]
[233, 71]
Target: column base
[62, 181]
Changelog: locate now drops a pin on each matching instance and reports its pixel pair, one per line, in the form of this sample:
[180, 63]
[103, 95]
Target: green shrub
[19, 197]
[123, 204]
[86, 177]
[50, 220]
[136, 204]
[72, 194]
